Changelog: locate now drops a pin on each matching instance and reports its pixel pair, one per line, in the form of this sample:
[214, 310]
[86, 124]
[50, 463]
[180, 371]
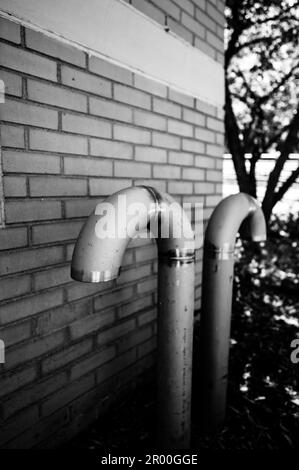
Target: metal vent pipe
[98, 259]
[217, 285]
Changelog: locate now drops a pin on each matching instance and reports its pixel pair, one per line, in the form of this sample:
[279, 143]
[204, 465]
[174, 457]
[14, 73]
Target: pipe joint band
[224, 252]
[177, 255]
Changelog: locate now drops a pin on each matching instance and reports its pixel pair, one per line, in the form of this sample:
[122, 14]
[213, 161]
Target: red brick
[10, 31]
[213, 200]
[206, 108]
[164, 107]
[12, 82]
[204, 162]
[172, 172]
[112, 334]
[39, 429]
[55, 142]
[132, 169]
[166, 141]
[14, 287]
[133, 339]
[193, 25]
[34, 349]
[214, 150]
[150, 154]
[85, 81]
[28, 162]
[17, 424]
[180, 30]
[111, 148]
[67, 355]
[135, 306]
[151, 86]
[205, 20]
[92, 323]
[146, 254]
[204, 188]
[55, 232]
[147, 317]
[12, 136]
[215, 14]
[179, 187]
[14, 186]
[147, 347]
[132, 96]
[193, 174]
[67, 395]
[205, 135]
[214, 175]
[34, 394]
[107, 186]
[149, 10]
[26, 210]
[25, 113]
[204, 47]
[50, 186]
[177, 127]
[150, 120]
[187, 5]
[13, 238]
[131, 134]
[61, 316]
[193, 146]
[10, 383]
[82, 207]
[92, 362]
[51, 277]
[109, 70]
[16, 333]
[110, 110]
[180, 158]
[86, 125]
[194, 117]
[113, 298]
[29, 306]
[56, 96]
[87, 166]
[169, 7]
[17, 261]
[26, 62]
[118, 364]
[42, 43]
[181, 98]
[134, 274]
[148, 285]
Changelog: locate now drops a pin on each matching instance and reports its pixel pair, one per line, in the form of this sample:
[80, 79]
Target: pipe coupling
[224, 252]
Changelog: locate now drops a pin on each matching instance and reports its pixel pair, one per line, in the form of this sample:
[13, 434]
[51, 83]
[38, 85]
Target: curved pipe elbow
[227, 219]
[126, 214]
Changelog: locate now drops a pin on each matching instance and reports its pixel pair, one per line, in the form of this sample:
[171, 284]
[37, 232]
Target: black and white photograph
[149, 231]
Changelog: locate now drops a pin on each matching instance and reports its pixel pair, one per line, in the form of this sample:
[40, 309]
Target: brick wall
[199, 22]
[75, 129]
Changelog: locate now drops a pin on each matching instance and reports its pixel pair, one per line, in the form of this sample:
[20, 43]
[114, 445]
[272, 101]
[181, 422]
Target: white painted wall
[116, 31]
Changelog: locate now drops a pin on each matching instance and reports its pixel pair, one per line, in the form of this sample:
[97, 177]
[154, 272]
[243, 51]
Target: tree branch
[286, 185]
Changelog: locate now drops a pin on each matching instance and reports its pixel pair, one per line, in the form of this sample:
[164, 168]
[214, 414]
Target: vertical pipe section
[97, 259]
[217, 285]
[175, 342]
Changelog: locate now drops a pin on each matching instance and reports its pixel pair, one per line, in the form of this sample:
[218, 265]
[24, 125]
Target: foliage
[262, 93]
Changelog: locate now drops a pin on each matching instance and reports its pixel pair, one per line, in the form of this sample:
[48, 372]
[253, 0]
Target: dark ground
[263, 392]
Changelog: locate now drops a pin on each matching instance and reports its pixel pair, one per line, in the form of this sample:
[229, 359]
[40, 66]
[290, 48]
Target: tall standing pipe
[217, 285]
[98, 259]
